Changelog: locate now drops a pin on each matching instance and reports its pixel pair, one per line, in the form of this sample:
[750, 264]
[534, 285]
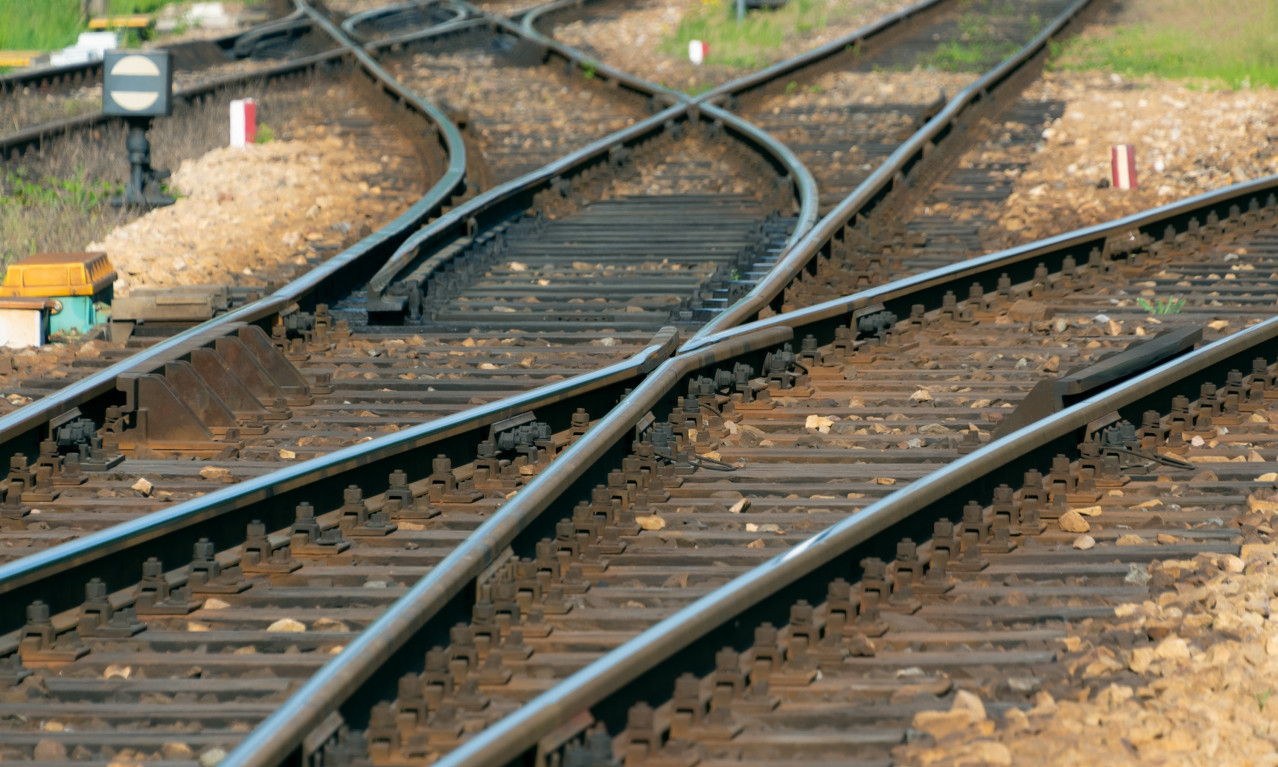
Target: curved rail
[528, 27]
[22, 430]
[886, 178]
[35, 136]
[513, 195]
[1018, 262]
[782, 156]
[55, 75]
[118, 549]
[516, 195]
[349, 25]
[444, 589]
[439, 600]
[696, 631]
[780, 69]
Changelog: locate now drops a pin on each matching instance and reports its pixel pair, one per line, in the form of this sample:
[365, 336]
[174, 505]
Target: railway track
[48, 101]
[841, 428]
[557, 526]
[367, 379]
[327, 385]
[847, 111]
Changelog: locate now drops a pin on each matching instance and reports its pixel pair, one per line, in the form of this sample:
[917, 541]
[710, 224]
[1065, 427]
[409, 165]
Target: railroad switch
[78, 285]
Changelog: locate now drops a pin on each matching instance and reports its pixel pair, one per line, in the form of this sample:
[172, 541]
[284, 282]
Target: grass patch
[749, 43]
[74, 204]
[77, 191]
[1170, 305]
[42, 25]
[47, 25]
[988, 32]
[1233, 43]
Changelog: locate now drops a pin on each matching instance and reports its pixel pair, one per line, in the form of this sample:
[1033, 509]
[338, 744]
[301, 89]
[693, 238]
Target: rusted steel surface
[821, 432]
[401, 601]
[963, 578]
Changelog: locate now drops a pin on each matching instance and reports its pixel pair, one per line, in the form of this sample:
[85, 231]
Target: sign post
[139, 87]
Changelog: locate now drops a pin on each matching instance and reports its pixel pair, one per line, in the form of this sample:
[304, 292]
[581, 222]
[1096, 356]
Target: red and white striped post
[1122, 161]
[697, 51]
[243, 122]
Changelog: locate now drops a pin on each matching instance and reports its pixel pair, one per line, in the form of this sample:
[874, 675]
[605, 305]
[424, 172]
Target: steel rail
[765, 592]
[804, 183]
[360, 674]
[890, 175]
[515, 195]
[114, 553]
[579, 59]
[1019, 263]
[22, 430]
[781, 156]
[695, 632]
[35, 136]
[41, 77]
[348, 26]
[774, 72]
[424, 616]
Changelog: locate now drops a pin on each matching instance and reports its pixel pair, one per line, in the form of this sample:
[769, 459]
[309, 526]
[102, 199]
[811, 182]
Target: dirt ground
[247, 212]
[1187, 141]
[631, 40]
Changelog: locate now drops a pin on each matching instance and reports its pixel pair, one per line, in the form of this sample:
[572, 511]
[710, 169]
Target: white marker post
[1122, 161]
[697, 51]
[243, 122]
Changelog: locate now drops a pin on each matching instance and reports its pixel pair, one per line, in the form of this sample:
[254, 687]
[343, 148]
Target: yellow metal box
[59, 274]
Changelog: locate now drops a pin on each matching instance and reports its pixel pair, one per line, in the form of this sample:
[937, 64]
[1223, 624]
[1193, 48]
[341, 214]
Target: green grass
[77, 191]
[1233, 43]
[1171, 305]
[30, 206]
[988, 32]
[39, 25]
[123, 7]
[50, 24]
[749, 43]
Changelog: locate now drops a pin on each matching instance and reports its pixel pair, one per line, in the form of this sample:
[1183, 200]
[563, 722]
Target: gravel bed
[34, 108]
[1197, 695]
[1187, 141]
[631, 39]
[521, 117]
[248, 210]
[291, 202]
